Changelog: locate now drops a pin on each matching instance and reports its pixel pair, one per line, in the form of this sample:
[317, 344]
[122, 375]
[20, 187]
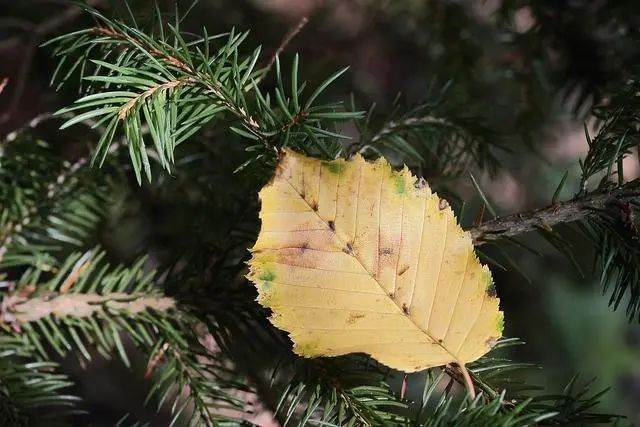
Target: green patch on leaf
[267, 277]
[307, 349]
[399, 183]
[500, 322]
[335, 167]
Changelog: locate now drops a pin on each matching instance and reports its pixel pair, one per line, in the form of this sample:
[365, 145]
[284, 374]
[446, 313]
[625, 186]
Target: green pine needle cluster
[167, 87]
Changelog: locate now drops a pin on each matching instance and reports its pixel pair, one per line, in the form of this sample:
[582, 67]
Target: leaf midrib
[354, 255]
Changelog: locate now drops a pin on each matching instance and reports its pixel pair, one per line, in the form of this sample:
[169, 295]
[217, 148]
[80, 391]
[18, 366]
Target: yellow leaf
[355, 257]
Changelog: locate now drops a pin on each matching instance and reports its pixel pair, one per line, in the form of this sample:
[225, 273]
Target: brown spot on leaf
[405, 308]
[403, 270]
[443, 204]
[348, 249]
[314, 205]
[354, 317]
[491, 342]
[386, 251]
[332, 225]
[491, 290]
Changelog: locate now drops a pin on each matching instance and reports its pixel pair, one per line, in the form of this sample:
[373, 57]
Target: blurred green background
[527, 71]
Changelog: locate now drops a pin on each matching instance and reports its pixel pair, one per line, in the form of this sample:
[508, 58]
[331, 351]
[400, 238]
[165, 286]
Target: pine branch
[27, 310]
[344, 391]
[618, 135]
[79, 303]
[607, 218]
[435, 137]
[495, 376]
[89, 304]
[580, 208]
[176, 87]
[504, 399]
[31, 390]
[173, 87]
[55, 206]
[354, 389]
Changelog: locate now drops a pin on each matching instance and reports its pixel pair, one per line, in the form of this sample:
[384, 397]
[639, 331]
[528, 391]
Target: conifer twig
[285, 41]
[393, 126]
[85, 305]
[192, 76]
[560, 213]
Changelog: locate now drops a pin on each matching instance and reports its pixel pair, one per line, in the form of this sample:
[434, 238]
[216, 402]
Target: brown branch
[26, 310]
[560, 213]
[295, 120]
[285, 41]
[34, 36]
[171, 60]
[194, 76]
[124, 111]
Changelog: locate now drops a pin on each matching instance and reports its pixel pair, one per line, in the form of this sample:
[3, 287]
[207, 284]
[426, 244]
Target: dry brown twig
[559, 213]
[34, 35]
[294, 31]
[3, 83]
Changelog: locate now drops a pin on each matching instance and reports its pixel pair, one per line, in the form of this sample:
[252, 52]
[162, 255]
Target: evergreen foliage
[147, 91]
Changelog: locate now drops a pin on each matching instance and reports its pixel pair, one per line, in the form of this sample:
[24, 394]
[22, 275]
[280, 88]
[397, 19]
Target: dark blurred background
[528, 71]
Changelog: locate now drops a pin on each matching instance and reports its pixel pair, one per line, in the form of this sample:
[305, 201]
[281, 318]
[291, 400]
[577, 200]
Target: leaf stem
[468, 382]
